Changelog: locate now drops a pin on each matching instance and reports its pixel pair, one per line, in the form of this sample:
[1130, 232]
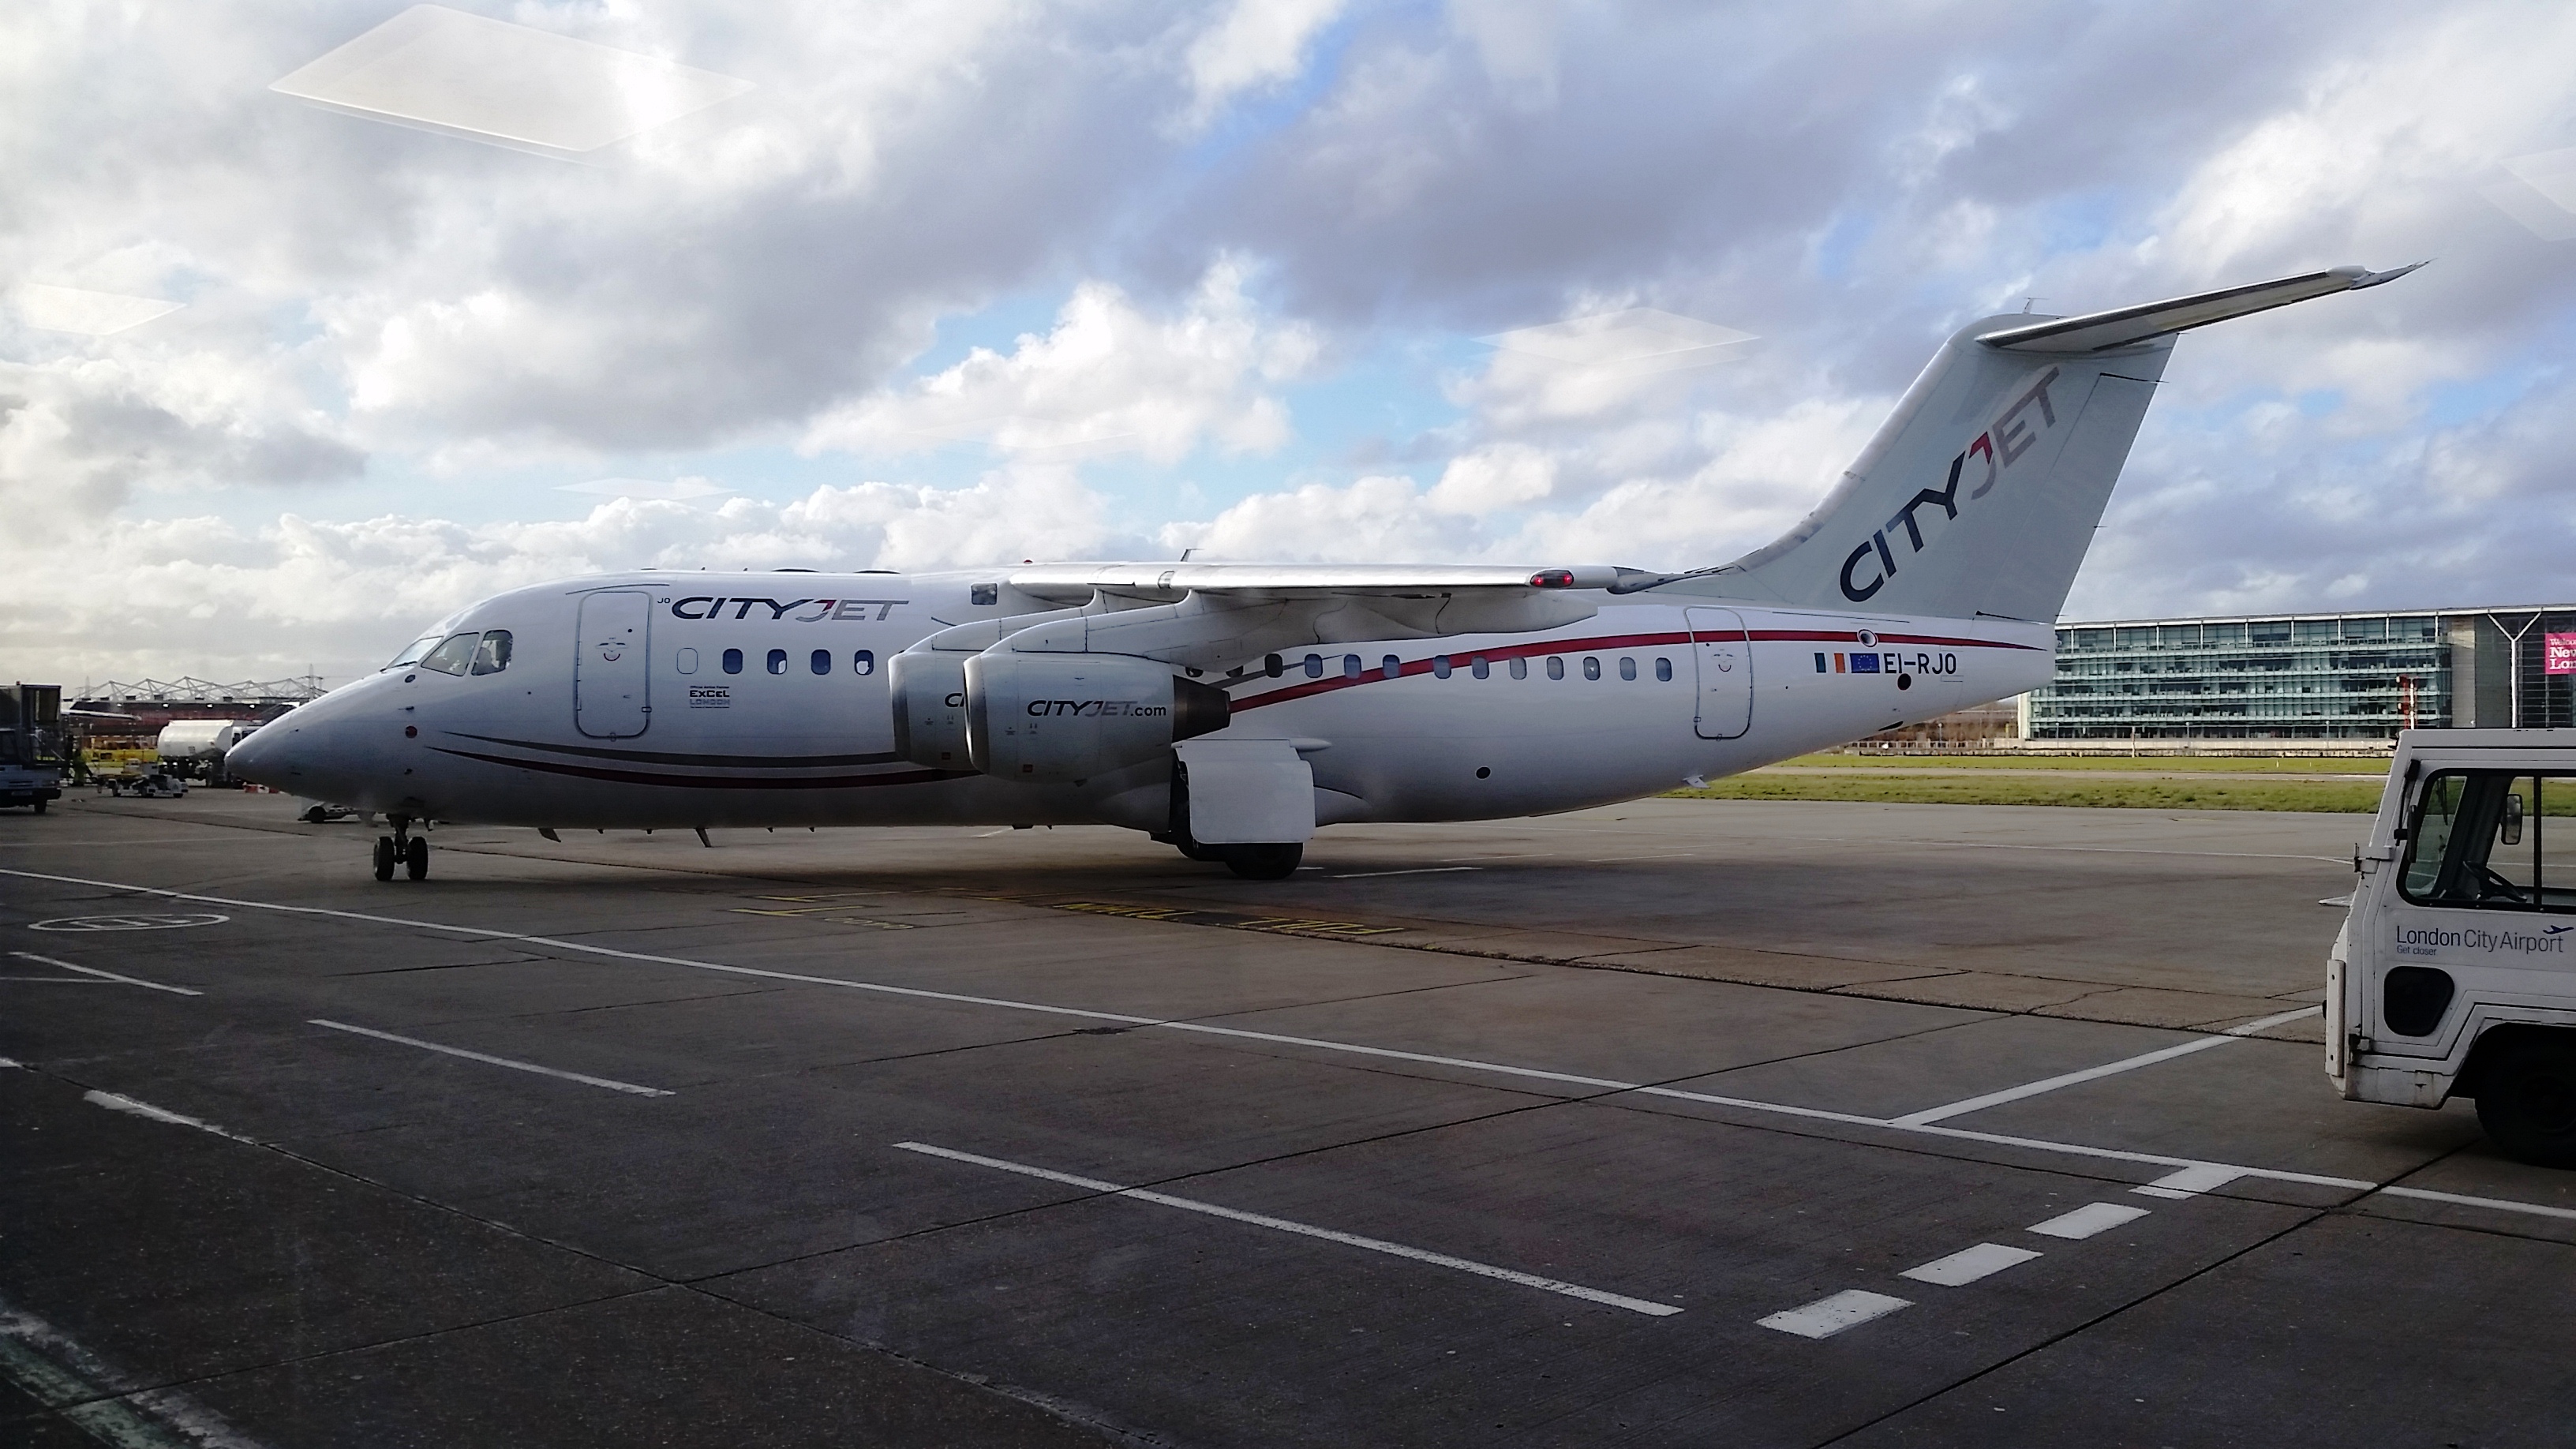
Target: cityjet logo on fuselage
[2000, 445]
[1096, 709]
[818, 610]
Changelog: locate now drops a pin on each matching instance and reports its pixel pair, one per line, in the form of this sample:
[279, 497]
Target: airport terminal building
[2309, 676]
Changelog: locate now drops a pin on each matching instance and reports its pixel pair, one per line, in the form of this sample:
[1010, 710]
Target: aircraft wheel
[313, 816]
[1262, 862]
[384, 857]
[416, 859]
[2527, 1100]
[1196, 851]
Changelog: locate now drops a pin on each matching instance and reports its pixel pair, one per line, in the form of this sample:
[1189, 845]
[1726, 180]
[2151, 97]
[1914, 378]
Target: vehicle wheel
[416, 860]
[1261, 862]
[40, 807]
[384, 857]
[2527, 1099]
[313, 816]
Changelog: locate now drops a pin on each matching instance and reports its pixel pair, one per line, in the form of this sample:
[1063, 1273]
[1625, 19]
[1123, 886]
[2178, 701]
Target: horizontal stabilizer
[2100, 331]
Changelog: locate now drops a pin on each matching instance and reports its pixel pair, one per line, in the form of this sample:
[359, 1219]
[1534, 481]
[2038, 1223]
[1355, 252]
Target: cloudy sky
[912, 283]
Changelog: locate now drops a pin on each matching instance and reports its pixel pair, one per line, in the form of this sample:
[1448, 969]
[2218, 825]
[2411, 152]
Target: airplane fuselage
[701, 699]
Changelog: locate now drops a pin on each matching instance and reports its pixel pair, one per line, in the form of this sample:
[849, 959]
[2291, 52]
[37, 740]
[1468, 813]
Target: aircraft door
[610, 673]
[1725, 659]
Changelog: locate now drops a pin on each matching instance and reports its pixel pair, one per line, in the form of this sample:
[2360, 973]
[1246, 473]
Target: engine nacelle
[928, 691]
[1052, 718]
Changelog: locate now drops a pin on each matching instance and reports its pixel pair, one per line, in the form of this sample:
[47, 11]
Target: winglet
[2101, 331]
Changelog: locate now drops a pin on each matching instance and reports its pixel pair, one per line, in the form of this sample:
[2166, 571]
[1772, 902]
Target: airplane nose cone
[267, 757]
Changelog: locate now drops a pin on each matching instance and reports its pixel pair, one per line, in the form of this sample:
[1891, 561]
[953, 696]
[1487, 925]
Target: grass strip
[2327, 796]
[2169, 764]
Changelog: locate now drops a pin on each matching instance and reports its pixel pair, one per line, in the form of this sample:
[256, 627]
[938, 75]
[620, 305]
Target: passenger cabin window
[493, 654]
[1350, 666]
[1627, 668]
[1520, 669]
[1314, 666]
[453, 656]
[1390, 666]
[1440, 666]
[2481, 839]
[1477, 666]
[733, 661]
[1591, 667]
[1555, 667]
[864, 662]
[1664, 671]
[820, 662]
[778, 661]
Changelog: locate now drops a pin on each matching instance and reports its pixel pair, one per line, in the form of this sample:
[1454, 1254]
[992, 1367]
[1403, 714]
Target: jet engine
[928, 690]
[1052, 718]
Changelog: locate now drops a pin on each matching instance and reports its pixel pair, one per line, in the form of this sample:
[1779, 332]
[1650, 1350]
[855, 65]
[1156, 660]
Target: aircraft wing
[1223, 616]
[1076, 583]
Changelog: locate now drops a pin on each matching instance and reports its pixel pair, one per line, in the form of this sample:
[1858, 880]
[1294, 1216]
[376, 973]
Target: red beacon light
[1552, 579]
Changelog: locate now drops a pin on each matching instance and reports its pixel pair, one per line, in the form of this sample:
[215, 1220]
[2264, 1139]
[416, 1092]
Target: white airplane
[1232, 709]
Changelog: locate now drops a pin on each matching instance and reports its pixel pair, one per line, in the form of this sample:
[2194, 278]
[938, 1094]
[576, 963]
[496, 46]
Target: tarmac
[1680, 1122]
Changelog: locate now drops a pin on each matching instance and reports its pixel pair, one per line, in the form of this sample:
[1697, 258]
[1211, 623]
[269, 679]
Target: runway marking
[2107, 1069]
[64, 1376]
[1418, 870]
[1828, 1316]
[104, 975]
[1746, 1104]
[127, 923]
[2093, 1217]
[115, 1103]
[431, 1046]
[1348, 1240]
[1882, 840]
[1969, 1264]
[2192, 1181]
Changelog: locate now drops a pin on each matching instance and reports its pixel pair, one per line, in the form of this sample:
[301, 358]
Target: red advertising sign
[2558, 653]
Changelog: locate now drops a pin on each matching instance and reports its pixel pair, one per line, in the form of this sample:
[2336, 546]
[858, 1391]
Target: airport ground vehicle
[31, 745]
[196, 747]
[2453, 975]
[1232, 709]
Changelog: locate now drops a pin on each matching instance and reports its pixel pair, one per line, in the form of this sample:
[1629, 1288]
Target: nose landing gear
[403, 848]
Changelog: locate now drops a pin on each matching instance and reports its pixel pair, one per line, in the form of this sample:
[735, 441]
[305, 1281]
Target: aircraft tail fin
[1980, 493]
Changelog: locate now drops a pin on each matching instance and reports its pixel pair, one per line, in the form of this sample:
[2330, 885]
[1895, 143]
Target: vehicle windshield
[452, 656]
[411, 652]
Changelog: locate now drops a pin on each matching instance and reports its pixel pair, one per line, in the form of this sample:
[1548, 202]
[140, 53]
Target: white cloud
[1256, 43]
[1108, 373]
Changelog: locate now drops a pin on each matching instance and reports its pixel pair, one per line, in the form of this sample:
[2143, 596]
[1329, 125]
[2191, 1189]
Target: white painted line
[431, 1046]
[2344, 901]
[1349, 1240]
[1608, 1085]
[1969, 1264]
[106, 975]
[2505, 1204]
[114, 1103]
[2192, 1181]
[1421, 870]
[63, 1375]
[2084, 1222]
[1828, 1316]
[2090, 1074]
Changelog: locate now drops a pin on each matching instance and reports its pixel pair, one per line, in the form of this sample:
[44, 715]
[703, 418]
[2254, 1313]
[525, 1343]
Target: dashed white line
[115, 1103]
[2093, 1217]
[2192, 1181]
[431, 1046]
[2091, 1074]
[1828, 1316]
[1348, 1240]
[1969, 1264]
[106, 975]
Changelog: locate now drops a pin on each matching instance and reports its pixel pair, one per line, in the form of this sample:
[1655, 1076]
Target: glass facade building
[2304, 676]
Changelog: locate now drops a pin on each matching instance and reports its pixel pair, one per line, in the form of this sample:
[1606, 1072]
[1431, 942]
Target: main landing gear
[1251, 862]
[401, 848]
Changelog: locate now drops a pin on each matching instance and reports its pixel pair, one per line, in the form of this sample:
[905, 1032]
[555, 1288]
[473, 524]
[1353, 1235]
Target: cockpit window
[493, 654]
[452, 656]
[416, 648]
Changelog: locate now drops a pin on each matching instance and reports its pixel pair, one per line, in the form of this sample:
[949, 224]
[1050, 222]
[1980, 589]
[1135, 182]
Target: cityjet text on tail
[1234, 709]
